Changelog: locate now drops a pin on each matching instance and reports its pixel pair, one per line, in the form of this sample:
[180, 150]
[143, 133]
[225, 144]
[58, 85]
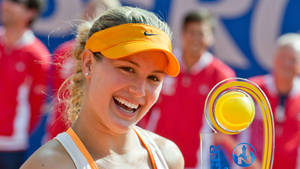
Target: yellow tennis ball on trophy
[234, 111]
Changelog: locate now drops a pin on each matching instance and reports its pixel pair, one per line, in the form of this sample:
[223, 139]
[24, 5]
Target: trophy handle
[243, 86]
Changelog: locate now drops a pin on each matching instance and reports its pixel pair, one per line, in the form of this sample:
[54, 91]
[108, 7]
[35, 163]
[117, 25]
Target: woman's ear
[88, 61]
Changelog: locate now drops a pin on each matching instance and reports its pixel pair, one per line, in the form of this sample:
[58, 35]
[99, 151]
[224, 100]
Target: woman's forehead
[155, 59]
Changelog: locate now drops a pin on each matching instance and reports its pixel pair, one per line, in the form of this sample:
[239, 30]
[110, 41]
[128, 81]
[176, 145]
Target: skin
[286, 68]
[197, 37]
[15, 18]
[138, 79]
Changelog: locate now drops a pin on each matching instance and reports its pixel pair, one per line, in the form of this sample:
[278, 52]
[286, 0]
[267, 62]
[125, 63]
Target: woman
[122, 59]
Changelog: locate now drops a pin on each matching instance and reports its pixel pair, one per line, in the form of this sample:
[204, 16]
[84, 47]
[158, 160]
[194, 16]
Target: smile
[125, 105]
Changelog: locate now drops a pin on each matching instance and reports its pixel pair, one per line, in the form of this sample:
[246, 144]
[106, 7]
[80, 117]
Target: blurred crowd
[28, 70]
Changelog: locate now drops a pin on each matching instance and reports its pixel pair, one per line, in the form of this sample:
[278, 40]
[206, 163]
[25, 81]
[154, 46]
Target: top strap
[82, 148]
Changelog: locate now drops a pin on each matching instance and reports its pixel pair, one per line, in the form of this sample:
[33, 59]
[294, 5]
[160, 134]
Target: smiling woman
[122, 59]
[121, 91]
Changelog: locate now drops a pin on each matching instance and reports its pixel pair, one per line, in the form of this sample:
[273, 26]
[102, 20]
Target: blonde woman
[122, 59]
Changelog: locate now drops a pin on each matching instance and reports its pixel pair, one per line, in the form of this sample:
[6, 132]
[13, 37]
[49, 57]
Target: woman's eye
[128, 69]
[154, 78]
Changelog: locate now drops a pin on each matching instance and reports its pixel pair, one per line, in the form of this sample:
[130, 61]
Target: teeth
[126, 103]
[127, 111]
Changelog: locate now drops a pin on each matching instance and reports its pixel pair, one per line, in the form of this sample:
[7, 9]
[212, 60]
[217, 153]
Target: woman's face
[121, 91]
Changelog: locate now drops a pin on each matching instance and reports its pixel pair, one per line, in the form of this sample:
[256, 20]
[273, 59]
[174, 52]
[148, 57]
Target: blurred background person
[24, 63]
[63, 68]
[282, 88]
[179, 115]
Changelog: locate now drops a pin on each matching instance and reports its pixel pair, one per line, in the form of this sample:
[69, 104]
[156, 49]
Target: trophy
[240, 127]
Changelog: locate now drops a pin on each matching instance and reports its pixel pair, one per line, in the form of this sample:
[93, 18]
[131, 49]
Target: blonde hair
[109, 18]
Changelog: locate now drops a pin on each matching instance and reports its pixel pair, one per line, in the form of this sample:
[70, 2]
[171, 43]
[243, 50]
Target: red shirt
[23, 70]
[287, 122]
[178, 115]
[62, 68]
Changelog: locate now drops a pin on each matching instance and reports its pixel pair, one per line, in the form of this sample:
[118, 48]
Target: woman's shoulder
[169, 149]
[49, 156]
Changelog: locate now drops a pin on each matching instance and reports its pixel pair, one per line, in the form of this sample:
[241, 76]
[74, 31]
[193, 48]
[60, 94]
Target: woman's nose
[138, 88]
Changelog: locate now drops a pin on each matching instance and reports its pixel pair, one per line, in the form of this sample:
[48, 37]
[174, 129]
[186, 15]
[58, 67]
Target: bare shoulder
[49, 156]
[170, 151]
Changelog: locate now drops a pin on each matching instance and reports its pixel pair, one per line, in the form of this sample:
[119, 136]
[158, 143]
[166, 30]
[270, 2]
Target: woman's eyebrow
[159, 71]
[134, 63]
[130, 61]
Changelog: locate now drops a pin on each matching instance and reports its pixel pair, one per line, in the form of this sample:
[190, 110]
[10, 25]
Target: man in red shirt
[179, 114]
[282, 88]
[24, 61]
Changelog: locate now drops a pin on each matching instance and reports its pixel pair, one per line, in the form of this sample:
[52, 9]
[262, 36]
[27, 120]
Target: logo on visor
[149, 34]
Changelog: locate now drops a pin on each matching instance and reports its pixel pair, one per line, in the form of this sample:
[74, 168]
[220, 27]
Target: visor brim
[127, 49]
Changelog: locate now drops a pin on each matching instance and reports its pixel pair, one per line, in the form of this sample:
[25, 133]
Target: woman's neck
[101, 141]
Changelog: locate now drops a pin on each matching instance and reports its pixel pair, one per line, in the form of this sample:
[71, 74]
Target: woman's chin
[121, 126]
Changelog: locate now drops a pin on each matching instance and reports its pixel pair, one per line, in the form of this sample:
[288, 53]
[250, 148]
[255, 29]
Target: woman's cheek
[156, 93]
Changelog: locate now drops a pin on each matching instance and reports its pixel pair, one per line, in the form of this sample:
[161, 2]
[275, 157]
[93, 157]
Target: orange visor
[127, 39]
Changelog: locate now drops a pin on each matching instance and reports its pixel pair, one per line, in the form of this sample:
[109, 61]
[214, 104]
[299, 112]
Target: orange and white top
[83, 160]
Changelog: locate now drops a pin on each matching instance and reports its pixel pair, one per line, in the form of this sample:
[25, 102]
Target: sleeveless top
[83, 160]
